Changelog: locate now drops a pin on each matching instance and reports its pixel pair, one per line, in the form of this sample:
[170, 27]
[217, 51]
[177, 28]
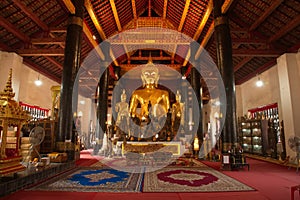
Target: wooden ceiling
[261, 30]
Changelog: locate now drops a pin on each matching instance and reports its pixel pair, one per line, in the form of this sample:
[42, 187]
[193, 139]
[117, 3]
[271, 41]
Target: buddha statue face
[150, 74]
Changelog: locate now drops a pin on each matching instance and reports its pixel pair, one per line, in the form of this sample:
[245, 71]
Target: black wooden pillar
[65, 137]
[224, 56]
[102, 97]
[196, 85]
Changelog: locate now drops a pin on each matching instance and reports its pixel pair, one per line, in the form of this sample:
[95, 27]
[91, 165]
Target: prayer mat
[91, 179]
[183, 179]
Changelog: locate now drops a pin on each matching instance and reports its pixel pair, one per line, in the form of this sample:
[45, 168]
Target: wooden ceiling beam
[242, 63]
[165, 9]
[31, 15]
[248, 41]
[57, 40]
[94, 19]
[57, 30]
[185, 11]
[287, 28]
[153, 58]
[55, 62]
[41, 52]
[115, 12]
[133, 9]
[257, 52]
[204, 20]
[41, 70]
[11, 28]
[258, 71]
[267, 12]
[127, 67]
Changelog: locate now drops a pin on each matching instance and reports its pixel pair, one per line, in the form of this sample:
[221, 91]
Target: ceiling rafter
[11, 28]
[257, 52]
[204, 20]
[40, 52]
[149, 8]
[242, 63]
[55, 62]
[41, 70]
[31, 15]
[185, 11]
[284, 30]
[258, 71]
[56, 40]
[267, 12]
[165, 9]
[134, 9]
[115, 12]
[91, 12]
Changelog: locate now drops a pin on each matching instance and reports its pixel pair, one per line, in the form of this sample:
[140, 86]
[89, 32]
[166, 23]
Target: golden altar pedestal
[12, 117]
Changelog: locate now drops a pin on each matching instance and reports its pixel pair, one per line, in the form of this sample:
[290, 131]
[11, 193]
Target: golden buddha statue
[123, 113]
[177, 113]
[154, 102]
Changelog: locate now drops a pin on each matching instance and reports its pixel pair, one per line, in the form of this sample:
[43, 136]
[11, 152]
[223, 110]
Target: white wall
[23, 81]
[250, 96]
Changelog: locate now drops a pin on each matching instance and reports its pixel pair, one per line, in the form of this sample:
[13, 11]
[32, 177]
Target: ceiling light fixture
[259, 83]
[38, 82]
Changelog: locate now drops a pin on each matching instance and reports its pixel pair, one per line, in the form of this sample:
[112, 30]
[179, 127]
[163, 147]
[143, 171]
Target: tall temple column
[102, 97]
[65, 137]
[224, 57]
[196, 85]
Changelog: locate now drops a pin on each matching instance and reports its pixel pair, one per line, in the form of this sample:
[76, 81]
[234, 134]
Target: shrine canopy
[10, 110]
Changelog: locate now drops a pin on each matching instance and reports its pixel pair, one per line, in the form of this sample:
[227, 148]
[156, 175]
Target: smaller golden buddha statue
[177, 113]
[123, 113]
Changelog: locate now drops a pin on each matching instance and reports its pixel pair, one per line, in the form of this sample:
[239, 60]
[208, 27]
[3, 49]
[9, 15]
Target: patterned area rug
[90, 179]
[194, 179]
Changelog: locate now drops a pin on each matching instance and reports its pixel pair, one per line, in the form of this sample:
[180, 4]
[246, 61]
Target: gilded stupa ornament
[8, 93]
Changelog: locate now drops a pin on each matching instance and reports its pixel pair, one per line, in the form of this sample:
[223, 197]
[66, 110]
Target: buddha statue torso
[157, 98]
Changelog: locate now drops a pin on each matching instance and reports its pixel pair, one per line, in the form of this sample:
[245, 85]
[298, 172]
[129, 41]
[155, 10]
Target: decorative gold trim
[220, 20]
[226, 147]
[76, 20]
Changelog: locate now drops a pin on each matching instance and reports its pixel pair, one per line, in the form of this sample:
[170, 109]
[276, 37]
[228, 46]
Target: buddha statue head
[123, 96]
[150, 75]
[178, 96]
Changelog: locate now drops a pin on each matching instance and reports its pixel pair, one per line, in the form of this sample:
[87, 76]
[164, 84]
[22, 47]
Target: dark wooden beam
[11, 28]
[31, 15]
[267, 12]
[257, 52]
[153, 58]
[55, 62]
[41, 70]
[57, 30]
[41, 52]
[248, 41]
[260, 70]
[57, 40]
[242, 63]
[287, 28]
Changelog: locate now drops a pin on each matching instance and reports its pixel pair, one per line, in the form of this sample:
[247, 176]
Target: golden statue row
[149, 107]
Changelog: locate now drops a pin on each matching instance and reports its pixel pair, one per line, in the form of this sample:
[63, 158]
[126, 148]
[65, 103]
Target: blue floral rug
[90, 179]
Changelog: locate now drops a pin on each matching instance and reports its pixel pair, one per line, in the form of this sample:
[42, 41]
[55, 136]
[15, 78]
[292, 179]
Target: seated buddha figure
[154, 102]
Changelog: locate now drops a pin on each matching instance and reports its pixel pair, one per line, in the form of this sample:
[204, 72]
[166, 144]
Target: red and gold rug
[193, 179]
